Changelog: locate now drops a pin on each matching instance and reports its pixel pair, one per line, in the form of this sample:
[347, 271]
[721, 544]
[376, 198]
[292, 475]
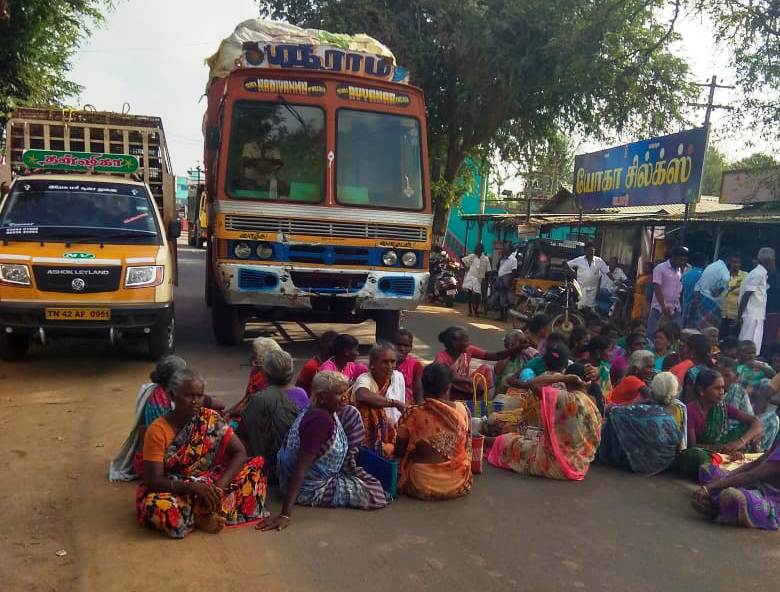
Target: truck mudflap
[280, 286]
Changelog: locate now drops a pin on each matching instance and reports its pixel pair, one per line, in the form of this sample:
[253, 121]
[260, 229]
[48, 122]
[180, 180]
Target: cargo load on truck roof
[99, 134]
[259, 43]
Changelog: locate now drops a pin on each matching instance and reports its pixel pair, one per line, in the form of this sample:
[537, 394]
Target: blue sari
[334, 480]
[642, 438]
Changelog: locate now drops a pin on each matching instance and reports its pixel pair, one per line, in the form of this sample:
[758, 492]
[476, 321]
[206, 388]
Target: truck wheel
[226, 321]
[13, 347]
[192, 238]
[387, 324]
[162, 339]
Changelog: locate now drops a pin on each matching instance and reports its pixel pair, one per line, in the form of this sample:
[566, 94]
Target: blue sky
[150, 54]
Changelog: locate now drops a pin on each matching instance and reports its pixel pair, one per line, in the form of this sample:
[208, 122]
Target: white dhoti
[588, 296]
[472, 284]
[752, 330]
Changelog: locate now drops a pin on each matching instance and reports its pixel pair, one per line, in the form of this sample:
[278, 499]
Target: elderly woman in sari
[153, 401]
[512, 366]
[434, 441]
[261, 347]
[269, 414]
[380, 396]
[708, 425]
[645, 436]
[457, 355]
[748, 496]
[569, 436]
[633, 386]
[196, 472]
[317, 464]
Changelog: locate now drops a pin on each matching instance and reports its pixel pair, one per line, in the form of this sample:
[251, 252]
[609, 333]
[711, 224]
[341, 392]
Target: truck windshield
[63, 211]
[378, 160]
[276, 152]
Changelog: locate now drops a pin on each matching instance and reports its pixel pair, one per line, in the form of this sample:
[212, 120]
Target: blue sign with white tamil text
[665, 170]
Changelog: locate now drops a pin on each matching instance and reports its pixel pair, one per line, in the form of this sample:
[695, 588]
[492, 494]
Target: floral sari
[446, 429]
[197, 453]
[461, 366]
[563, 448]
[334, 480]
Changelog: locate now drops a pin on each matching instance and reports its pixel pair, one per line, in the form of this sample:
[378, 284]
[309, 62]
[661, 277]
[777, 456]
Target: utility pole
[709, 106]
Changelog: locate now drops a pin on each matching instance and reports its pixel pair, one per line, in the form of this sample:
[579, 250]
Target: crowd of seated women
[645, 404]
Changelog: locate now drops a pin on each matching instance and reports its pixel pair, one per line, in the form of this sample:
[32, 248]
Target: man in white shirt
[589, 270]
[752, 299]
[507, 266]
[617, 273]
[478, 265]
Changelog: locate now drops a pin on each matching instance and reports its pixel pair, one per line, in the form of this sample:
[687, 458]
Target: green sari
[717, 430]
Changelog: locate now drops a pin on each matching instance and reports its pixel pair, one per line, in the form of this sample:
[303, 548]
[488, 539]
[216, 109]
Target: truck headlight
[146, 276]
[242, 251]
[264, 251]
[15, 274]
[409, 259]
[390, 258]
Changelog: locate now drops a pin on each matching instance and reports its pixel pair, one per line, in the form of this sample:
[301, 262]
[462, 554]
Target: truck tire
[226, 321]
[162, 338]
[13, 347]
[387, 324]
[192, 237]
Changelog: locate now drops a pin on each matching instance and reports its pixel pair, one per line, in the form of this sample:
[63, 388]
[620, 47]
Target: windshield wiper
[292, 110]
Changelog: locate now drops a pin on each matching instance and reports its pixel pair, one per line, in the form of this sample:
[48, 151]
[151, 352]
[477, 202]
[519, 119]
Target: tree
[756, 161]
[750, 31]
[502, 74]
[714, 163]
[37, 40]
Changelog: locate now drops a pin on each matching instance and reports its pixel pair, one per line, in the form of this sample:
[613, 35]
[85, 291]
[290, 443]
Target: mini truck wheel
[162, 338]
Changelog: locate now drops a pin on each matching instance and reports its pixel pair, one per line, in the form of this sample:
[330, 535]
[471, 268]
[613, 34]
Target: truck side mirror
[212, 138]
[174, 229]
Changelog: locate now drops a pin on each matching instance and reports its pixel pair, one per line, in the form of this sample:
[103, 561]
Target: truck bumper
[299, 287]
[27, 318]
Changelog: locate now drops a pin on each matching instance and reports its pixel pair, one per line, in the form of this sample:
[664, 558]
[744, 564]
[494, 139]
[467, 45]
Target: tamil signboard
[754, 186]
[664, 170]
[60, 160]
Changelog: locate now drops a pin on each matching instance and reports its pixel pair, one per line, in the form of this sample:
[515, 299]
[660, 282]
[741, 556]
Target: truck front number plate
[78, 314]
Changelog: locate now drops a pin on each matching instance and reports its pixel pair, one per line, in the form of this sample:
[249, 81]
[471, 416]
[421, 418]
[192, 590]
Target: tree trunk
[441, 207]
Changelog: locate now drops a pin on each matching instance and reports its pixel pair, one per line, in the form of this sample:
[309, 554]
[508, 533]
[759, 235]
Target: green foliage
[37, 41]
[714, 163]
[503, 74]
[755, 161]
[750, 30]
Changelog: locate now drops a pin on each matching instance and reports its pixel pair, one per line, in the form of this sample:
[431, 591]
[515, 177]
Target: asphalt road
[67, 409]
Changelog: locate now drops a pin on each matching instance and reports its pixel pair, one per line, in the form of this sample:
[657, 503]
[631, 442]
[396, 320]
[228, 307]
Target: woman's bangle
[284, 516]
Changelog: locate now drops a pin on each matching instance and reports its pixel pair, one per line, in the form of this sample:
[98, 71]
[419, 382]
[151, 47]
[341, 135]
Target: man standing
[589, 270]
[708, 294]
[689, 279]
[752, 299]
[478, 265]
[730, 321]
[507, 267]
[617, 273]
[667, 286]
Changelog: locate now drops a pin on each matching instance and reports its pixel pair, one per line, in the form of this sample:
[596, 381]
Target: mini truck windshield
[83, 211]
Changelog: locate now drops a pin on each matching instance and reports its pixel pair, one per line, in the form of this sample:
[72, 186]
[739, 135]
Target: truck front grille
[77, 280]
[367, 230]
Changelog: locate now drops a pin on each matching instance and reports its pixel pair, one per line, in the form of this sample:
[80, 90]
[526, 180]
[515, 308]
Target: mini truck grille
[367, 230]
[93, 278]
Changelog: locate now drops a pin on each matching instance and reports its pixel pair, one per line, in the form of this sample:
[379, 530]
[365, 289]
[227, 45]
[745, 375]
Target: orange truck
[87, 231]
[317, 181]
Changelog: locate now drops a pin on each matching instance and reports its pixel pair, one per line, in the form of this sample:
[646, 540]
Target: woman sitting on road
[268, 415]
[662, 344]
[317, 464]
[434, 441]
[196, 473]
[409, 366]
[457, 355]
[633, 387]
[257, 378]
[598, 357]
[312, 365]
[380, 396]
[512, 366]
[748, 496]
[708, 425]
[153, 401]
[345, 352]
[645, 436]
[569, 436]
[695, 354]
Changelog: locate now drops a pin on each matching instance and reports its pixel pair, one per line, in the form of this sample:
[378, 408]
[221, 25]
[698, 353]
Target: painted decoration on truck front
[663, 170]
[60, 160]
[287, 87]
[286, 56]
[377, 96]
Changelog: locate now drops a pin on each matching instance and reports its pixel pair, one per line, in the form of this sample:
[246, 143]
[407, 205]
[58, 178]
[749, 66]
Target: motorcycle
[444, 283]
[612, 305]
[559, 302]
